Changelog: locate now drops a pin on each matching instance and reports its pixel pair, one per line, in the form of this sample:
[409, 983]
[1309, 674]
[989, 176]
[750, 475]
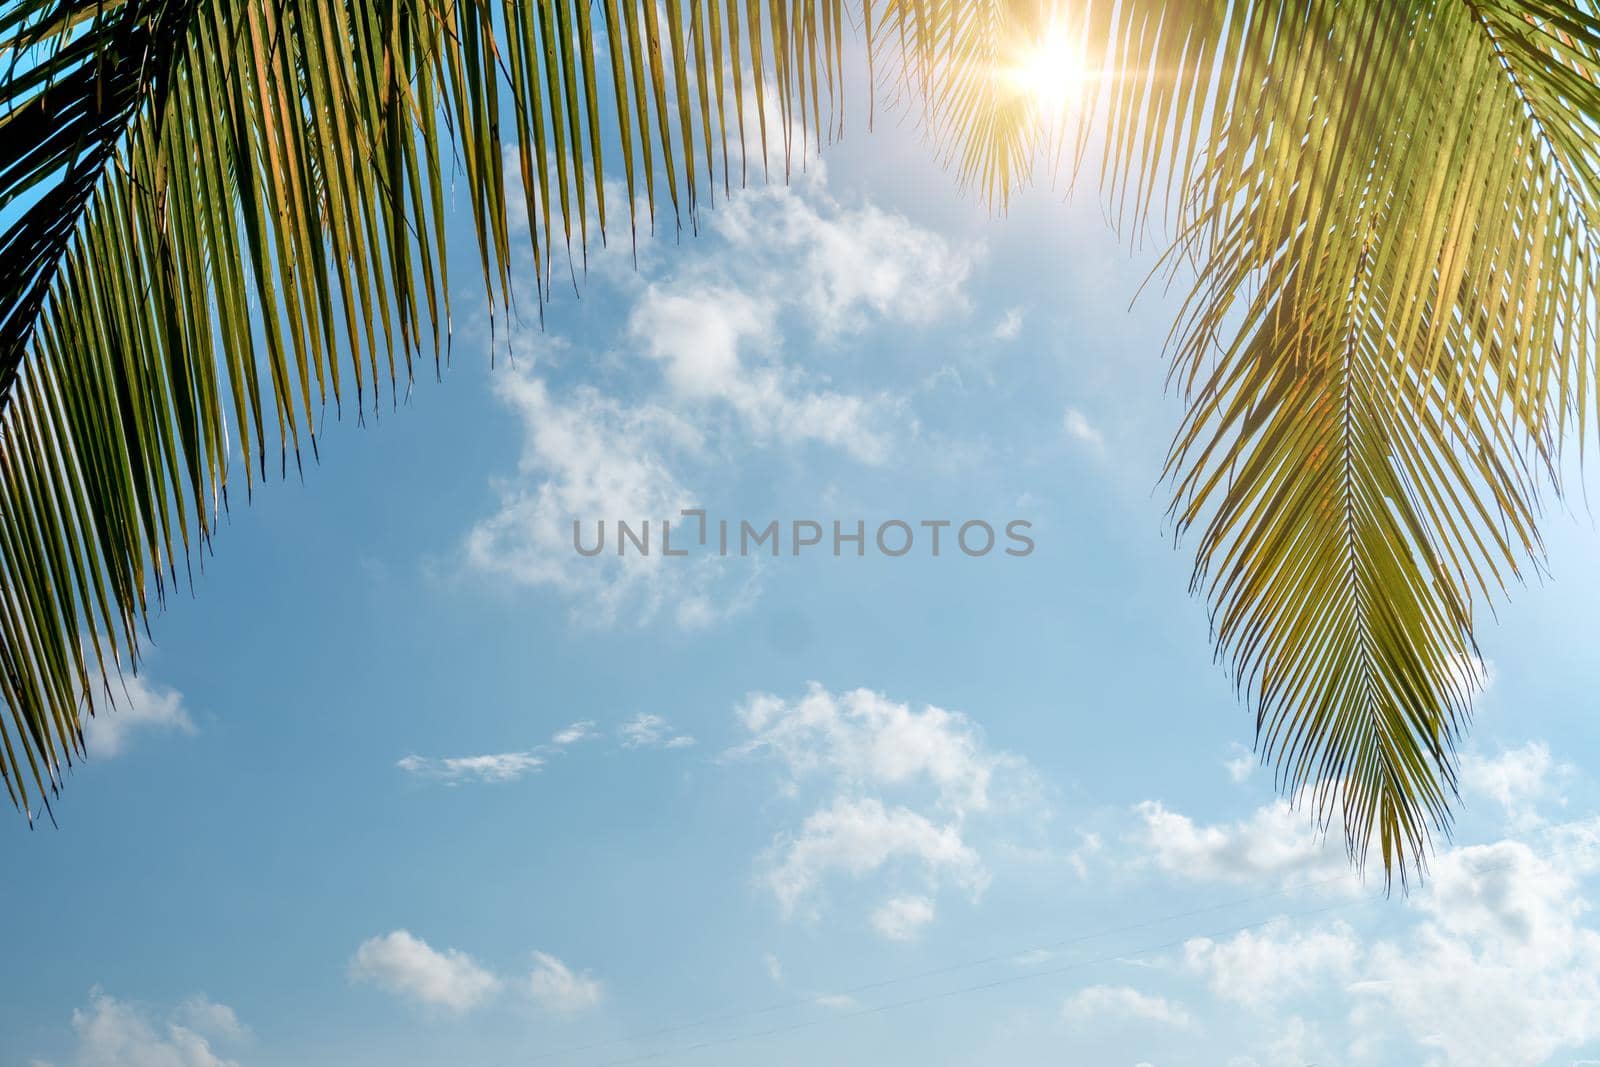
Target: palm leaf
[228, 214]
[1389, 214]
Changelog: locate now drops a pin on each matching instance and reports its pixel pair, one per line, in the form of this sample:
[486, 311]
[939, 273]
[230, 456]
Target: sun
[1049, 69]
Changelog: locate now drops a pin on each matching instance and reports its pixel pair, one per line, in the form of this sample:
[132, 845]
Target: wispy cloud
[1520, 780]
[1241, 765]
[1077, 426]
[651, 731]
[903, 918]
[574, 734]
[145, 709]
[1120, 1004]
[491, 767]
[1009, 326]
[556, 988]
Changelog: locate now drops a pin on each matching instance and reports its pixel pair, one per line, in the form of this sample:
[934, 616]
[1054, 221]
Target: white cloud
[1241, 765]
[216, 1021]
[1089, 846]
[1500, 971]
[496, 767]
[774, 968]
[903, 918]
[146, 708]
[1473, 673]
[846, 266]
[409, 967]
[1275, 844]
[574, 734]
[865, 740]
[700, 335]
[114, 1033]
[1259, 967]
[651, 731]
[1494, 964]
[1101, 1004]
[1009, 326]
[556, 988]
[838, 1001]
[901, 794]
[861, 837]
[1518, 779]
[492, 767]
[805, 265]
[1078, 427]
[588, 458]
[1295, 1044]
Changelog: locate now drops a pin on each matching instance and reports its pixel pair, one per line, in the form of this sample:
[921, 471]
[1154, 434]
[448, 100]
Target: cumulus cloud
[865, 740]
[701, 336]
[1519, 780]
[807, 267]
[1241, 765]
[216, 1021]
[586, 458]
[1501, 969]
[1473, 673]
[115, 1033]
[409, 967]
[900, 797]
[861, 837]
[492, 767]
[146, 708]
[556, 988]
[651, 731]
[903, 918]
[1102, 1004]
[1275, 844]
[1258, 967]
[845, 266]
[1495, 960]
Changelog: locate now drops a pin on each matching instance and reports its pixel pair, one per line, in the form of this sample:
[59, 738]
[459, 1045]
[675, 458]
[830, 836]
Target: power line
[971, 963]
[997, 983]
[802, 1002]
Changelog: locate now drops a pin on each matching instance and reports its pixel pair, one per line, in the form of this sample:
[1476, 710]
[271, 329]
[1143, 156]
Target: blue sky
[410, 782]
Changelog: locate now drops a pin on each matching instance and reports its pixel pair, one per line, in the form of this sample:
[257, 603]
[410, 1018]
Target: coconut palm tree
[222, 215]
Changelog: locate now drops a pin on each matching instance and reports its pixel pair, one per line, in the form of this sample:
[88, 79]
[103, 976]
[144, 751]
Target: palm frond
[229, 214]
[1387, 215]
[1390, 216]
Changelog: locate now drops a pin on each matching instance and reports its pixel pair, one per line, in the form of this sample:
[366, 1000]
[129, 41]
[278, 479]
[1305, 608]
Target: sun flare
[1050, 69]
